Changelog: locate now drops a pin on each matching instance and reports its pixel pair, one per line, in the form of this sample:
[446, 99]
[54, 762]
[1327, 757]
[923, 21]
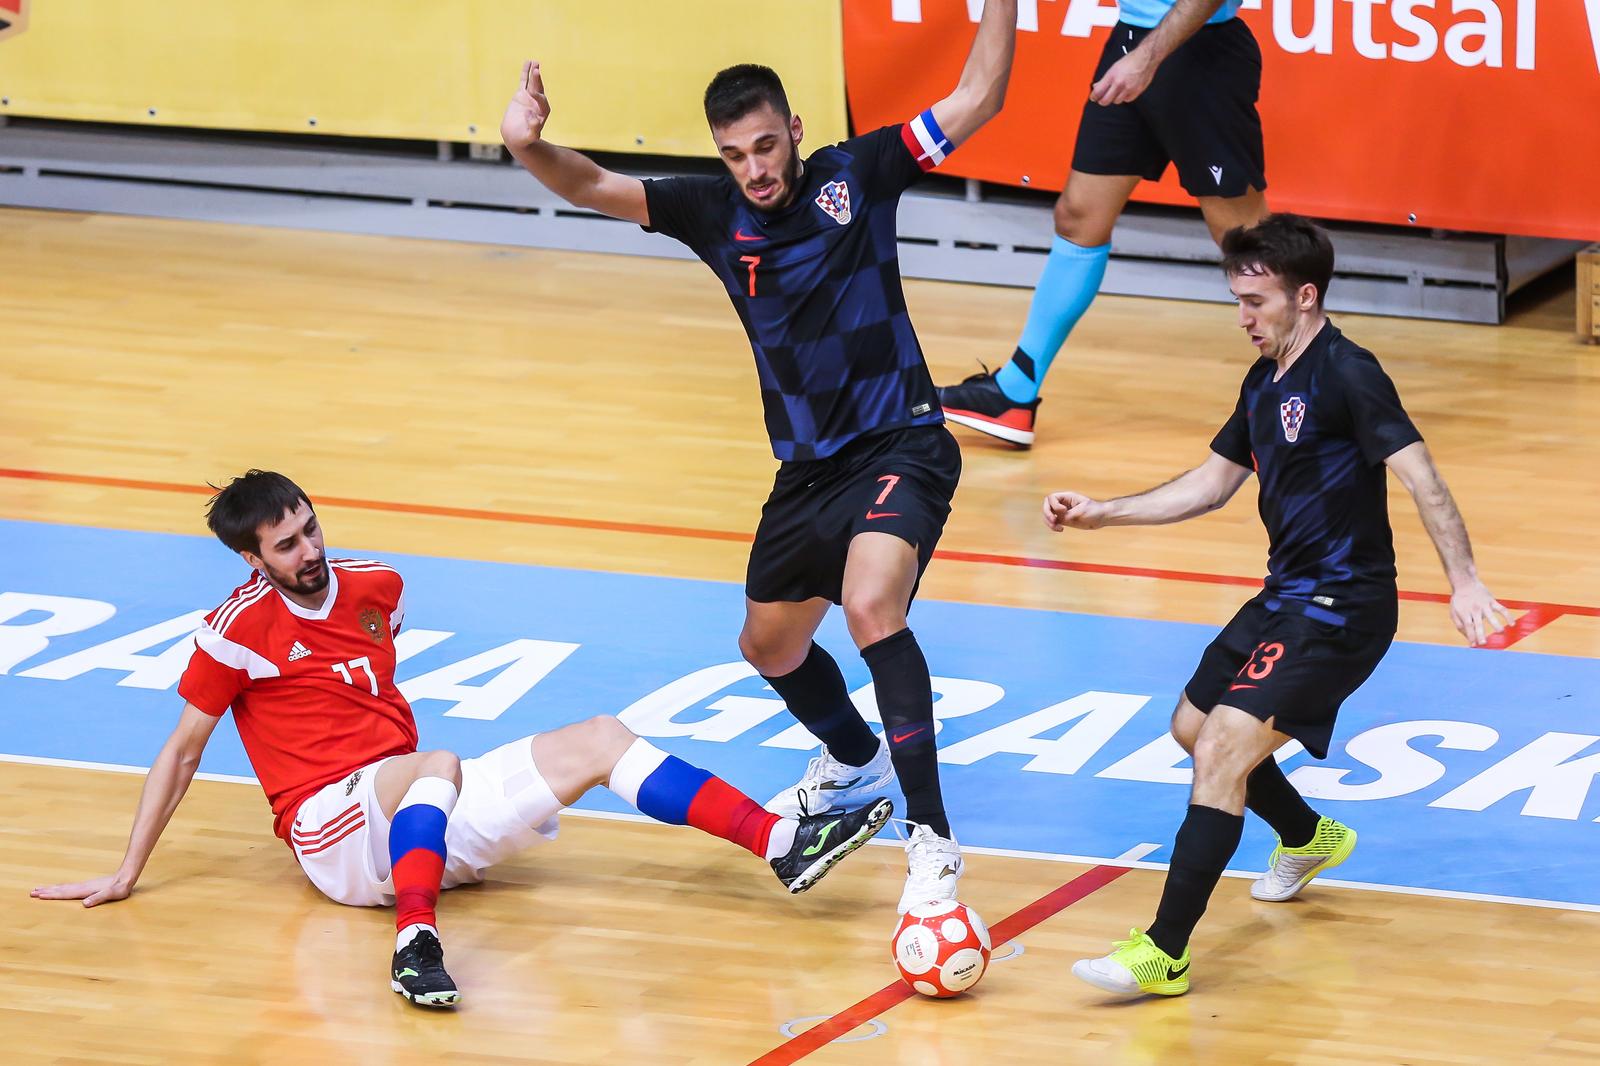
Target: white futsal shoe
[933, 866]
[1290, 869]
[830, 785]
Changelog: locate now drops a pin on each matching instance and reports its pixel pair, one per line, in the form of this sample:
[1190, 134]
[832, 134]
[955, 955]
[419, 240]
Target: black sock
[905, 701]
[1206, 841]
[1269, 794]
[816, 695]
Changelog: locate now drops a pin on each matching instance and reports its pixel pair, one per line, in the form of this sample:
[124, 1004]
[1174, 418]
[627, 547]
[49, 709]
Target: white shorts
[341, 835]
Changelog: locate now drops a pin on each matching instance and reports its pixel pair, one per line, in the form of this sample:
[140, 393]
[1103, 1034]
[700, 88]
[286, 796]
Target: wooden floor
[591, 388]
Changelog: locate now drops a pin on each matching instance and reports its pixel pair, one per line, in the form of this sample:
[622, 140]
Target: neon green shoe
[1291, 869]
[1136, 967]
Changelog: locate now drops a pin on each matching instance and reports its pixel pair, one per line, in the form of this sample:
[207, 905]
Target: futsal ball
[941, 948]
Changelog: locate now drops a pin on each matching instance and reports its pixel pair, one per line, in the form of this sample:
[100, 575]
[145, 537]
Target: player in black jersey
[1320, 424]
[807, 251]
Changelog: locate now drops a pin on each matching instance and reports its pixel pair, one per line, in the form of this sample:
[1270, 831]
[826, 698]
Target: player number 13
[363, 663]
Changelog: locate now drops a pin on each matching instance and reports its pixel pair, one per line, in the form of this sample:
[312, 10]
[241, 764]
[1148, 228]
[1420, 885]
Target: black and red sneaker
[978, 403]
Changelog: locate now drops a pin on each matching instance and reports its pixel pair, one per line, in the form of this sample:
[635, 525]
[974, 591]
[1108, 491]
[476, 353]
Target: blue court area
[1464, 771]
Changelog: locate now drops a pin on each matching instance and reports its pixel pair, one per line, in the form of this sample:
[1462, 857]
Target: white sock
[409, 933]
[782, 838]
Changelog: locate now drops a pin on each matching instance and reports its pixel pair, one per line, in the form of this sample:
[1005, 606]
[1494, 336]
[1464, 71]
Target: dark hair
[737, 91]
[1294, 248]
[239, 507]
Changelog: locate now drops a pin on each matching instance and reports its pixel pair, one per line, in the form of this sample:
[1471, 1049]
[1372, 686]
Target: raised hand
[93, 893]
[526, 114]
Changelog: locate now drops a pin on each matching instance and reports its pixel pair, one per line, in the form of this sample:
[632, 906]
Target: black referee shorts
[900, 482]
[1271, 664]
[1199, 113]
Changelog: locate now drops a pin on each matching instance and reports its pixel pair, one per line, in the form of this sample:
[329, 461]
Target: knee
[873, 615]
[1186, 723]
[1079, 222]
[1183, 733]
[772, 654]
[605, 733]
[1218, 760]
[444, 764]
[1207, 748]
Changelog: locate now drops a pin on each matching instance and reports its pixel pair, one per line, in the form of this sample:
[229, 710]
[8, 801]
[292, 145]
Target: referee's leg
[1085, 213]
[1223, 213]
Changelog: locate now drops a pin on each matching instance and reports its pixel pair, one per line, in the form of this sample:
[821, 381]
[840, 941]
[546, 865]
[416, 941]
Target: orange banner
[13, 17]
[1478, 115]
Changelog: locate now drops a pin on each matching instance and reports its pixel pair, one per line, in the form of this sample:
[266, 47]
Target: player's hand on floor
[100, 890]
[1477, 614]
[1127, 78]
[528, 110]
[1072, 509]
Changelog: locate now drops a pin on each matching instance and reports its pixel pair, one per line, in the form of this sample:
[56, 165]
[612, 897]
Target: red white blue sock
[417, 854]
[670, 790]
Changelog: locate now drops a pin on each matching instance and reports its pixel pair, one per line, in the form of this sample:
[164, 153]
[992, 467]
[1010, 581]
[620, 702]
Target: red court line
[1539, 614]
[1532, 620]
[397, 508]
[890, 996]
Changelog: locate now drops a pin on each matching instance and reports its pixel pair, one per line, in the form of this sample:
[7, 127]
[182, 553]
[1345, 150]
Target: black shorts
[1199, 112]
[899, 482]
[1272, 664]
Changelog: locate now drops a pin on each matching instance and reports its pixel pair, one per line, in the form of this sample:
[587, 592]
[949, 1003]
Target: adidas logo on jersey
[299, 651]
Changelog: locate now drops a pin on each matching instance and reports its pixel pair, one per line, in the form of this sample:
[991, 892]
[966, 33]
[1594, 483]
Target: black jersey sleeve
[896, 157]
[1232, 441]
[1378, 421]
[687, 209]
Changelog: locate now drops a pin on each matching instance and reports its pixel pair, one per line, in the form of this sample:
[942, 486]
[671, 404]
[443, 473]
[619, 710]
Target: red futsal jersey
[312, 692]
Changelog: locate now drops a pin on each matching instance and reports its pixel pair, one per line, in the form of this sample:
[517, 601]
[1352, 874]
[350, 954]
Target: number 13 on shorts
[1261, 661]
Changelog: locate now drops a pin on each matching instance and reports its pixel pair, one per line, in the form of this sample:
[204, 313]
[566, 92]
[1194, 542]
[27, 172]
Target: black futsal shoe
[978, 403]
[823, 839]
[418, 973]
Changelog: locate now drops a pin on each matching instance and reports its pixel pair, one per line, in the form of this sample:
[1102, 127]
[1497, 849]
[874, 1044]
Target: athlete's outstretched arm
[1132, 74]
[165, 785]
[1195, 492]
[571, 175]
[1475, 612]
[982, 90]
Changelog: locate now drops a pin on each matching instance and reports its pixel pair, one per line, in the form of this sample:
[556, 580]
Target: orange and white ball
[941, 948]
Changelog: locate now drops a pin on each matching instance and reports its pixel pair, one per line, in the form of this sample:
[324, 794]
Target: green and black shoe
[823, 839]
[418, 973]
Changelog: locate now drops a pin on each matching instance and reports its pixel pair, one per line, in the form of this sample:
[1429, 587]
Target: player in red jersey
[304, 655]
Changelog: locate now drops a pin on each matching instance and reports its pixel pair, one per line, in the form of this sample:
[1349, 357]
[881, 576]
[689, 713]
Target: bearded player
[304, 655]
[806, 249]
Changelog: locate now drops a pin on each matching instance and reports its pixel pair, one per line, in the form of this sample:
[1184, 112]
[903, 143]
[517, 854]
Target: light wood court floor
[608, 389]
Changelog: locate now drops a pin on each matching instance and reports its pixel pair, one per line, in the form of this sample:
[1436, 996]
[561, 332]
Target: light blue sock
[1071, 278]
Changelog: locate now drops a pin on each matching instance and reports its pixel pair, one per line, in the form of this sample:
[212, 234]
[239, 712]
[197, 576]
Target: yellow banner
[622, 75]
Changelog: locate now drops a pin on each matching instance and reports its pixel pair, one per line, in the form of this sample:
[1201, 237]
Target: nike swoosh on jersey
[1231, 688]
[741, 235]
[882, 514]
